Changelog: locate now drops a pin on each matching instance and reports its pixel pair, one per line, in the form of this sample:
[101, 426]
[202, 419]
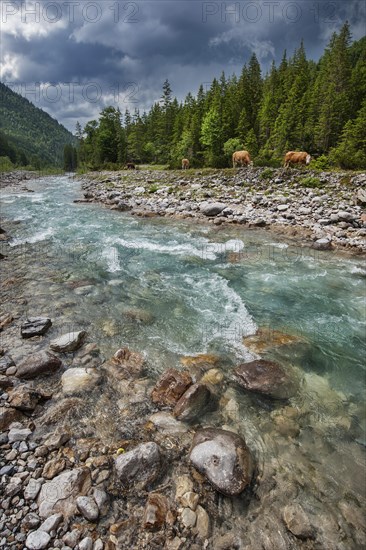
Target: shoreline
[330, 214]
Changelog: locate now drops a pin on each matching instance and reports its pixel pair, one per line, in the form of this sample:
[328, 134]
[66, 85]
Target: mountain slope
[31, 130]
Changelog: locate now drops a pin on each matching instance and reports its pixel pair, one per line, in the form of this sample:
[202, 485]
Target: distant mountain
[30, 131]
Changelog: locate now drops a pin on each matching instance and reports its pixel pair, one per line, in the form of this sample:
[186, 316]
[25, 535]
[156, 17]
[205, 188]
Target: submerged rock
[223, 458]
[35, 326]
[68, 342]
[79, 379]
[36, 364]
[267, 378]
[297, 521]
[142, 464]
[192, 402]
[266, 338]
[170, 387]
[165, 423]
[130, 363]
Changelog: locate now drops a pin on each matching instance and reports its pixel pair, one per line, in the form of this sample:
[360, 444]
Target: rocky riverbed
[17, 179]
[324, 209]
[98, 454]
[99, 450]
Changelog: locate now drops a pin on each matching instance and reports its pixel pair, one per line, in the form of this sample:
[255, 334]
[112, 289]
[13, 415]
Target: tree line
[319, 107]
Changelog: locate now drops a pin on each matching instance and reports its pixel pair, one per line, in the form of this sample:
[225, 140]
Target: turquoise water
[201, 289]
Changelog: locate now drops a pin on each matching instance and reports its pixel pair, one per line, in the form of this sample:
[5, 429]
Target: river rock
[18, 434]
[141, 464]
[88, 508]
[59, 495]
[212, 209]
[53, 467]
[165, 423]
[38, 363]
[68, 342]
[51, 523]
[361, 196]
[266, 338]
[192, 402]
[37, 540]
[24, 398]
[170, 387]
[7, 416]
[79, 379]
[322, 244]
[267, 378]
[130, 363]
[297, 521]
[35, 326]
[155, 512]
[5, 363]
[223, 458]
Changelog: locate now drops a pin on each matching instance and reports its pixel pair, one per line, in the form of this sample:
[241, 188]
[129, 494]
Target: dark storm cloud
[120, 53]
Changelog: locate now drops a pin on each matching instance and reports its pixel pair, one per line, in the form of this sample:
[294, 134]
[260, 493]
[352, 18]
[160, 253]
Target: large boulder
[59, 495]
[68, 342]
[212, 209]
[35, 326]
[267, 378]
[170, 387]
[141, 465]
[38, 363]
[224, 458]
[192, 402]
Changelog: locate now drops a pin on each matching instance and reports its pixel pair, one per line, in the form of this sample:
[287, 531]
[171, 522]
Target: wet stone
[192, 402]
[68, 342]
[223, 458]
[267, 378]
[38, 364]
[35, 326]
[142, 464]
[170, 387]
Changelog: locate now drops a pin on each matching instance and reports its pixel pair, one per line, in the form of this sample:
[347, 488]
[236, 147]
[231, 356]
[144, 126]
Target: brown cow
[241, 158]
[296, 157]
[185, 164]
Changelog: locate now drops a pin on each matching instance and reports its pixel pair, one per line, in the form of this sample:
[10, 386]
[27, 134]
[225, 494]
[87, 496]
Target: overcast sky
[74, 57]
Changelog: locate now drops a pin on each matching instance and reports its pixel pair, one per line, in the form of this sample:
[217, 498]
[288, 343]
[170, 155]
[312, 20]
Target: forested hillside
[29, 135]
[318, 107]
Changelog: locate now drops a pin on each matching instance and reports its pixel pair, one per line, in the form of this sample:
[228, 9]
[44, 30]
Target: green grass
[310, 181]
[153, 188]
[267, 174]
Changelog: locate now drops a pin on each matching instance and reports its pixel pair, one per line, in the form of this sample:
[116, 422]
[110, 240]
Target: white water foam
[37, 237]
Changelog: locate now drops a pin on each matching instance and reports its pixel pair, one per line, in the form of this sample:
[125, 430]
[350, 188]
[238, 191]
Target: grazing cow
[241, 158]
[131, 166]
[296, 157]
[185, 164]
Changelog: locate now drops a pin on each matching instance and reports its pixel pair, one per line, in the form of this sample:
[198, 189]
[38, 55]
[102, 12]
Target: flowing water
[170, 289]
